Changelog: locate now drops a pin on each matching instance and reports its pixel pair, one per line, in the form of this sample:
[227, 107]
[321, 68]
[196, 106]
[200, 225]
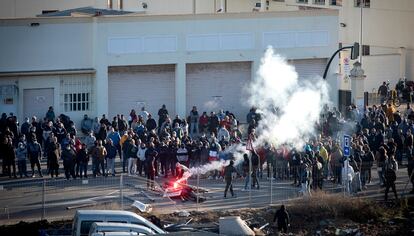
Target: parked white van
[106, 227]
[83, 220]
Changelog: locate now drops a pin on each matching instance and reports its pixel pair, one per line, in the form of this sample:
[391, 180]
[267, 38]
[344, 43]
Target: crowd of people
[144, 146]
[381, 137]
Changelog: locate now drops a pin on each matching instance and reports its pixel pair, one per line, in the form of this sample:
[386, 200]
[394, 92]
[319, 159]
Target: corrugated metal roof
[86, 11]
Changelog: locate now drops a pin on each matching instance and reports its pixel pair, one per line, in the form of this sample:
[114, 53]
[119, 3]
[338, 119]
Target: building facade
[382, 27]
[112, 64]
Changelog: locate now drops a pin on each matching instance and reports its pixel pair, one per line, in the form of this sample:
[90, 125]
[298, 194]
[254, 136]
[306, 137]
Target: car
[115, 234]
[83, 220]
[104, 227]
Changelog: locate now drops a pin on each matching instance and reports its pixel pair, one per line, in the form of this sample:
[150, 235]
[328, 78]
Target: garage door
[36, 102]
[309, 67]
[214, 86]
[8, 98]
[131, 87]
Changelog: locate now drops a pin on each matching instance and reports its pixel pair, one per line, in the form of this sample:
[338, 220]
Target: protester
[69, 157]
[228, 178]
[283, 220]
[34, 151]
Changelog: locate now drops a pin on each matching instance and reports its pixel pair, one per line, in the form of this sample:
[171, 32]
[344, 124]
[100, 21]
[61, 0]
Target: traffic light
[355, 51]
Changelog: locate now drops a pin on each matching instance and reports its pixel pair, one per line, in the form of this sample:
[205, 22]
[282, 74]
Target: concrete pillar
[101, 90]
[357, 85]
[180, 89]
[254, 68]
[262, 5]
[403, 61]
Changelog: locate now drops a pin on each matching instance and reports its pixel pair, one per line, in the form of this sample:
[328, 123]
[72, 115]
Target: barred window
[319, 2]
[76, 93]
[76, 102]
[336, 2]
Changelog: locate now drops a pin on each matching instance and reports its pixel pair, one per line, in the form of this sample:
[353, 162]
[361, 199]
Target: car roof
[116, 233]
[105, 212]
[91, 214]
[115, 224]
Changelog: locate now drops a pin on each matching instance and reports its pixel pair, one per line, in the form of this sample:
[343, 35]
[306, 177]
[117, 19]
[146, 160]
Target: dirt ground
[320, 214]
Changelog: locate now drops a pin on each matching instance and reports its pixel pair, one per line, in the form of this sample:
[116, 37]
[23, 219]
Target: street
[23, 199]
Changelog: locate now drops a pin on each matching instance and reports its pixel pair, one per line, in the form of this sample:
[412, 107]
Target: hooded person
[283, 220]
[347, 175]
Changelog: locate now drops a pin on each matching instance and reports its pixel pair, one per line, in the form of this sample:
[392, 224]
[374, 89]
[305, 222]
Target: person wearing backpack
[35, 153]
[390, 173]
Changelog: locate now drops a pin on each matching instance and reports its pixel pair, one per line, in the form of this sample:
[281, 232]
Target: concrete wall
[178, 30]
[376, 72]
[76, 43]
[52, 45]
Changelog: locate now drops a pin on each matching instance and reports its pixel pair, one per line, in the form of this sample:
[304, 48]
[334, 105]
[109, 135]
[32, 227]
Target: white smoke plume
[289, 108]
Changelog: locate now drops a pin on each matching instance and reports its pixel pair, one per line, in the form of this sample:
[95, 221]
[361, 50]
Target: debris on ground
[317, 215]
[142, 207]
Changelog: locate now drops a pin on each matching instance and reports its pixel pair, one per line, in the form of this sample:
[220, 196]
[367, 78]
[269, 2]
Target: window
[76, 93]
[76, 102]
[86, 226]
[336, 2]
[302, 1]
[319, 2]
[365, 50]
[366, 3]
[278, 0]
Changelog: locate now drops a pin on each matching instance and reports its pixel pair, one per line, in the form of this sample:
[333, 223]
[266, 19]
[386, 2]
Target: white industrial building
[384, 28]
[111, 64]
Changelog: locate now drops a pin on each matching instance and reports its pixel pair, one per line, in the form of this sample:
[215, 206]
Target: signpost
[347, 153]
[347, 144]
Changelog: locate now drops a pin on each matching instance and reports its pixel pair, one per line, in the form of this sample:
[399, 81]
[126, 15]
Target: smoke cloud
[289, 108]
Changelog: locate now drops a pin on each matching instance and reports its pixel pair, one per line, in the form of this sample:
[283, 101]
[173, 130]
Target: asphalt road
[22, 199]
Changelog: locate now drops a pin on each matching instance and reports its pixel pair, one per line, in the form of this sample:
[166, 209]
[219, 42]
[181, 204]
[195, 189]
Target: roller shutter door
[131, 87]
[215, 86]
[309, 67]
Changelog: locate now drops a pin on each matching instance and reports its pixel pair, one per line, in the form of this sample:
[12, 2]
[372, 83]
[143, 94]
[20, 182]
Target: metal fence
[56, 199]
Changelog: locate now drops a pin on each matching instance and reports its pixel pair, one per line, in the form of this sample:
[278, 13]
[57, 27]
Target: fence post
[198, 187]
[43, 199]
[271, 185]
[250, 181]
[121, 194]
